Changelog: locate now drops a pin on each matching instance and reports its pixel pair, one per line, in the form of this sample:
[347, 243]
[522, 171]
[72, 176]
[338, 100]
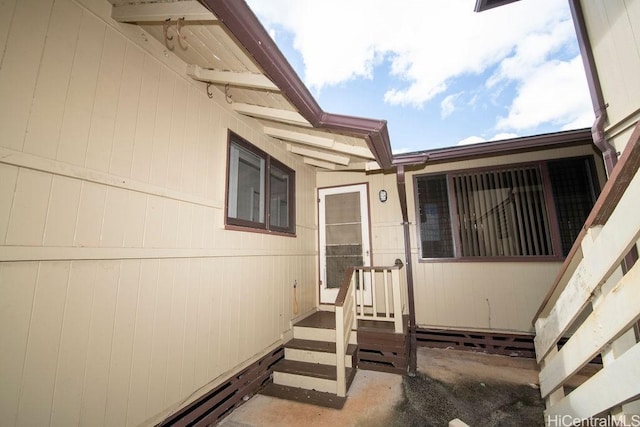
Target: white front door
[344, 237]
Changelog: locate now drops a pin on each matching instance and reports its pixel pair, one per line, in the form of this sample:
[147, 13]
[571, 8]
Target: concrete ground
[451, 384]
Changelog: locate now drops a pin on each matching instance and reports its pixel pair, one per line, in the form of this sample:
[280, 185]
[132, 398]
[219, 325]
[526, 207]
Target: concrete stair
[310, 357]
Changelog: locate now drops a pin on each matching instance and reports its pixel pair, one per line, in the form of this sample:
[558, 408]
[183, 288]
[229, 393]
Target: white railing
[351, 304]
[385, 295]
[345, 323]
[598, 310]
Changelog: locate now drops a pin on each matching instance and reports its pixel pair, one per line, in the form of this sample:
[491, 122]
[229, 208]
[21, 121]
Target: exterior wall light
[382, 195]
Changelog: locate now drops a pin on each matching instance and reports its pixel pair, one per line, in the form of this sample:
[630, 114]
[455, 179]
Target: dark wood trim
[258, 230]
[482, 5]
[524, 258]
[402, 194]
[619, 180]
[550, 205]
[238, 224]
[381, 349]
[550, 210]
[507, 344]
[344, 287]
[487, 149]
[292, 197]
[216, 404]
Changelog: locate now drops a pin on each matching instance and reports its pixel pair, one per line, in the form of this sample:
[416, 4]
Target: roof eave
[497, 148]
[482, 5]
[242, 23]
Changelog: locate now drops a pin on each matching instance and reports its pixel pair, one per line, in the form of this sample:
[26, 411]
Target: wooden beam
[372, 166]
[613, 385]
[251, 80]
[190, 10]
[260, 112]
[319, 141]
[618, 235]
[301, 138]
[612, 317]
[321, 155]
[319, 163]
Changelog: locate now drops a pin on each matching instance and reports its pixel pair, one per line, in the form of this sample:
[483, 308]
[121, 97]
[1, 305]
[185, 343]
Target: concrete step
[322, 352]
[310, 376]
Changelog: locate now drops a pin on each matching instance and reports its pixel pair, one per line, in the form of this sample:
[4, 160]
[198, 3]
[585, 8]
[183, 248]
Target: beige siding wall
[121, 294]
[614, 33]
[466, 295]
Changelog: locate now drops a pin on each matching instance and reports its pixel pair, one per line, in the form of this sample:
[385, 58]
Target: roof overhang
[222, 46]
[498, 148]
[482, 5]
[242, 23]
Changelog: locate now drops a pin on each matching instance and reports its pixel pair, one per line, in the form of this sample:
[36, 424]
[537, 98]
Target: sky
[439, 73]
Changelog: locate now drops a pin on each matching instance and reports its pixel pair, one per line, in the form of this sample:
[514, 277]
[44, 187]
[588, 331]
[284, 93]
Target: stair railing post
[397, 300]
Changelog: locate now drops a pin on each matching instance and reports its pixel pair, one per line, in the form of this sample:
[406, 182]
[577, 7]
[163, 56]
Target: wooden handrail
[344, 286]
[618, 182]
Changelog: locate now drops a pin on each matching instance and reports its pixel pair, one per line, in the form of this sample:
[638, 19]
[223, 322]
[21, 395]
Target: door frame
[330, 294]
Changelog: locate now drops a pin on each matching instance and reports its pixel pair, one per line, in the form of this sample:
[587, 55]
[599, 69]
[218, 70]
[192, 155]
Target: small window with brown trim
[260, 189]
[530, 210]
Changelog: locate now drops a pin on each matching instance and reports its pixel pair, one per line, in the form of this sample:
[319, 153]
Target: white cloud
[447, 106]
[430, 47]
[478, 139]
[556, 92]
[502, 136]
[471, 140]
[426, 43]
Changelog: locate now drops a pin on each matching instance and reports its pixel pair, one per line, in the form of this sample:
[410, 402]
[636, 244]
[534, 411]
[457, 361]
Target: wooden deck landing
[379, 347]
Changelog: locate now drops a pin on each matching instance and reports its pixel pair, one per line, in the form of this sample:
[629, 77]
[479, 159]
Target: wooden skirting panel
[520, 345]
[219, 402]
[383, 351]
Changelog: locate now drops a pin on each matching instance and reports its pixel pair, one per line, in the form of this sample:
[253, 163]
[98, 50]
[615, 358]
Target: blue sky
[440, 74]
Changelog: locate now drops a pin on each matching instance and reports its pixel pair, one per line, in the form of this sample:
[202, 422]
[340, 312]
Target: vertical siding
[614, 32]
[129, 295]
[465, 295]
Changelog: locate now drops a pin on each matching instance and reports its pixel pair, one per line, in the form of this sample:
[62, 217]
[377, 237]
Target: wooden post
[397, 300]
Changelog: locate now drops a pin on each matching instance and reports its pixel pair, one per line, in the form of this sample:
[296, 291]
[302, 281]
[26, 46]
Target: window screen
[574, 195]
[435, 218]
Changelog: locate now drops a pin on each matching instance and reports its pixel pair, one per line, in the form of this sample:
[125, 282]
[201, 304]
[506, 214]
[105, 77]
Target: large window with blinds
[532, 210]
